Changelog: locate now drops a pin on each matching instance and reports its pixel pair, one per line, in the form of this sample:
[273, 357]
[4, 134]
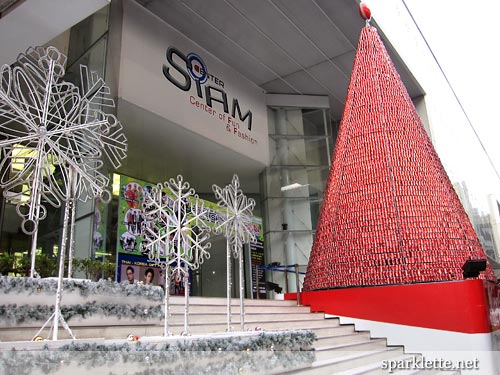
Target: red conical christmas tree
[390, 214]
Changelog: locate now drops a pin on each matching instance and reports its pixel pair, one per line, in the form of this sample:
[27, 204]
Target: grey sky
[464, 37]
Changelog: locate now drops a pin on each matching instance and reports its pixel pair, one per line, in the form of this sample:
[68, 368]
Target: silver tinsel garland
[84, 287]
[15, 314]
[257, 354]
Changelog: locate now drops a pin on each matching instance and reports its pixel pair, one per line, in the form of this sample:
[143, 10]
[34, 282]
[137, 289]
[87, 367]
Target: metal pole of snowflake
[156, 241]
[175, 235]
[237, 228]
[49, 125]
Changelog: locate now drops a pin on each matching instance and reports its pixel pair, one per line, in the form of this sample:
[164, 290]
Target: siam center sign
[194, 69]
[164, 72]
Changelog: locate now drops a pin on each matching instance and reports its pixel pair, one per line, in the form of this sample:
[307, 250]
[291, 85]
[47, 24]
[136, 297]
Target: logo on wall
[197, 68]
[182, 70]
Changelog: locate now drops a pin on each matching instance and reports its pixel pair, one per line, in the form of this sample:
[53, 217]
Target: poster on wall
[133, 270]
[99, 221]
[129, 214]
[138, 270]
[257, 259]
[130, 217]
[134, 267]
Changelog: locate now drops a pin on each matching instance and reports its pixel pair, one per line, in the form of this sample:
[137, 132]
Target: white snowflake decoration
[175, 234]
[48, 124]
[237, 228]
[171, 220]
[237, 225]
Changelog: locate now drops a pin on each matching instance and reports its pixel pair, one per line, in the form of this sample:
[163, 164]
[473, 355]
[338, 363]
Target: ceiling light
[295, 185]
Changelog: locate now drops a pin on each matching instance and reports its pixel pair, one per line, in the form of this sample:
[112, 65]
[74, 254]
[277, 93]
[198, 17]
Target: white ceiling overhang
[303, 47]
[32, 23]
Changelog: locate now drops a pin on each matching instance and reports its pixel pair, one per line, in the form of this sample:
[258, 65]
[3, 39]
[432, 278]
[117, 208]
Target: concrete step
[338, 350]
[120, 332]
[178, 317]
[263, 325]
[292, 324]
[338, 339]
[348, 362]
[408, 357]
[210, 318]
[412, 372]
[335, 351]
[248, 309]
[333, 330]
[114, 332]
[222, 301]
[117, 330]
[376, 368]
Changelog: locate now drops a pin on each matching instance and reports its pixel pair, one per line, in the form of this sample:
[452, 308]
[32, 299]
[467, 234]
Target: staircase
[339, 348]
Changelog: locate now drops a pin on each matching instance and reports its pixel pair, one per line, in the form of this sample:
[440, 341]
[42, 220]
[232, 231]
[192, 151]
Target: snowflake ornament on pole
[46, 125]
[175, 235]
[237, 228]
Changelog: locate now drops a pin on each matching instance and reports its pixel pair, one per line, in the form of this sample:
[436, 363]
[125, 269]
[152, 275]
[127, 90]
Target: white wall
[145, 40]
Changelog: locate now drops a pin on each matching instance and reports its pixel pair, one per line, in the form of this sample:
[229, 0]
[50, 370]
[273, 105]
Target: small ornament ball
[364, 11]
[132, 337]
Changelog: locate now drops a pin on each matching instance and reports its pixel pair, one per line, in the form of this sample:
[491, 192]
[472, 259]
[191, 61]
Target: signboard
[135, 269]
[167, 74]
[99, 229]
[132, 265]
[257, 260]
[129, 214]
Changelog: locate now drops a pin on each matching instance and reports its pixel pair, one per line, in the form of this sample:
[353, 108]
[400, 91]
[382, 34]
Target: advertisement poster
[129, 215]
[99, 228]
[132, 265]
[257, 259]
[135, 267]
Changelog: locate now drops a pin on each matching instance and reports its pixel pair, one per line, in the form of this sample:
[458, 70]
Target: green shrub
[6, 263]
[95, 269]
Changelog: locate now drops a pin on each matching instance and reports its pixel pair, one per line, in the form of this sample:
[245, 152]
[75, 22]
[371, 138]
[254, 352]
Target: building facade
[212, 89]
